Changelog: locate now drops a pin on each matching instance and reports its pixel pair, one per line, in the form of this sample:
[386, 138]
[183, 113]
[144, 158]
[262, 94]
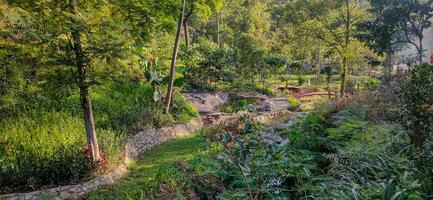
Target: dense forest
[295, 99]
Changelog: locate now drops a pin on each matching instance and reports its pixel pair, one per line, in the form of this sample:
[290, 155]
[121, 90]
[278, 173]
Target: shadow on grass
[153, 169]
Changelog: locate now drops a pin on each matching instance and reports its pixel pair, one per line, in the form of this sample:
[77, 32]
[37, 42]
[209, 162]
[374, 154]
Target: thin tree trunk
[420, 50]
[186, 34]
[186, 29]
[347, 41]
[343, 77]
[86, 102]
[173, 61]
[218, 30]
[319, 61]
[388, 65]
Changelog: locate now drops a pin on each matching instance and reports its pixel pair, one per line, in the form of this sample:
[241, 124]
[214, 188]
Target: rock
[207, 102]
[267, 107]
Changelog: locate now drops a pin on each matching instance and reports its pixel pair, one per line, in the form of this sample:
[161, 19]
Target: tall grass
[42, 143]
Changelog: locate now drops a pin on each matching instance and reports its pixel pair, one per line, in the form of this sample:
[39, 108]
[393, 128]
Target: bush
[415, 103]
[182, 111]
[294, 103]
[253, 166]
[372, 85]
[301, 81]
[309, 133]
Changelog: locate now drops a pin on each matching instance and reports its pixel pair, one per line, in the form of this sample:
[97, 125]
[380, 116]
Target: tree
[83, 71]
[173, 60]
[333, 22]
[73, 44]
[395, 23]
[415, 102]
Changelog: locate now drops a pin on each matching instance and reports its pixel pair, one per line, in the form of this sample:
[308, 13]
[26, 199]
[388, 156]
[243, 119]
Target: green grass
[42, 143]
[154, 169]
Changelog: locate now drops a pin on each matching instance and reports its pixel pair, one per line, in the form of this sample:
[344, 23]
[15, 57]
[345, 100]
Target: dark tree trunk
[388, 64]
[86, 103]
[173, 61]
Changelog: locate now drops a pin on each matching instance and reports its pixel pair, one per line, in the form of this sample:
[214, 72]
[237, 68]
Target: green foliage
[386, 31]
[237, 105]
[372, 85]
[256, 166]
[294, 103]
[415, 101]
[35, 151]
[336, 155]
[182, 111]
[301, 81]
[205, 62]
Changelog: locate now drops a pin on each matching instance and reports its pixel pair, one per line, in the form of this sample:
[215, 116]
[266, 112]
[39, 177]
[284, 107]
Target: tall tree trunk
[343, 77]
[218, 30]
[420, 50]
[388, 65]
[186, 29]
[346, 44]
[319, 61]
[86, 102]
[186, 34]
[173, 61]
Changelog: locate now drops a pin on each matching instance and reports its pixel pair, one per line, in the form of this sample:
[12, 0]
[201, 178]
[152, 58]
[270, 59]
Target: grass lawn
[156, 168]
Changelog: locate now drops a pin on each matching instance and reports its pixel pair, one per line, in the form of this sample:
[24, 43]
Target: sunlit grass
[156, 167]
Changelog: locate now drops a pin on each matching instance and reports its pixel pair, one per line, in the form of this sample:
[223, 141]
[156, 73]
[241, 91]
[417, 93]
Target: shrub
[309, 133]
[200, 87]
[372, 85]
[415, 103]
[253, 166]
[182, 111]
[337, 155]
[294, 103]
[301, 81]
